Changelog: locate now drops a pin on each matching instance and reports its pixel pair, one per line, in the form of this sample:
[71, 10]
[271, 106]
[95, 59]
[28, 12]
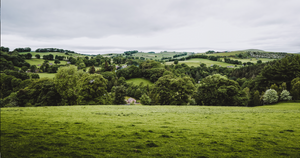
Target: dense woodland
[176, 84]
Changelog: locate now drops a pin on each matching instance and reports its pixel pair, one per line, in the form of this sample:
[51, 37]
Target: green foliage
[270, 96]
[285, 95]
[169, 90]
[119, 95]
[36, 76]
[256, 98]
[66, 81]
[121, 81]
[93, 90]
[92, 70]
[24, 68]
[37, 56]
[295, 91]
[219, 90]
[175, 61]
[41, 92]
[145, 99]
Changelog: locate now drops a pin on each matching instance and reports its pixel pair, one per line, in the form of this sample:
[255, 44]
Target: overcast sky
[115, 26]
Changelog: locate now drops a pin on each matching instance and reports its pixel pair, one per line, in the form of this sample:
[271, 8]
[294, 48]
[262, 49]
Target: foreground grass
[151, 131]
[137, 81]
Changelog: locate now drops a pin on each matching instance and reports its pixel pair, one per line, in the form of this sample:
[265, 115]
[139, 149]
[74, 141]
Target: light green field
[196, 62]
[137, 81]
[151, 131]
[44, 75]
[253, 60]
[35, 61]
[158, 55]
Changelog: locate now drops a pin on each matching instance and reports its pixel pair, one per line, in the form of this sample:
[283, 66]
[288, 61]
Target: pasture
[196, 62]
[158, 56]
[151, 131]
[35, 61]
[137, 81]
[49, 75]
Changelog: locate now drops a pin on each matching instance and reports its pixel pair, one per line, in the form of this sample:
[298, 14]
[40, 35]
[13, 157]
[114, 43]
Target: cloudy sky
[115, 26]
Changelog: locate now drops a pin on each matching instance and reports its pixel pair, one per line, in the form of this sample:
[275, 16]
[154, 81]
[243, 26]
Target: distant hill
[253, 50]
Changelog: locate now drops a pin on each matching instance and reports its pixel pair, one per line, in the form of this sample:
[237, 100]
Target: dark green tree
[221, 91]
[119, 95]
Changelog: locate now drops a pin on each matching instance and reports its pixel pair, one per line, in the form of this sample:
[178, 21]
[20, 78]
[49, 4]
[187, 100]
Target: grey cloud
[55, 20]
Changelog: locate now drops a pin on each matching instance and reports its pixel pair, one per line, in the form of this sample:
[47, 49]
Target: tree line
[177, 84]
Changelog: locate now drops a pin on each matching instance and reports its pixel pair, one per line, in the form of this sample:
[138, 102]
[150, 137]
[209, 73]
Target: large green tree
[219, 90]
[66, 81]
[93, 90]
[171, 90]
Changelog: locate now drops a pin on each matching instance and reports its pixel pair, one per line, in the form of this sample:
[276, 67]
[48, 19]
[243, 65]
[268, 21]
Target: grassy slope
[158, 55]
[49, 75]
[41, 61]
[137, 81]
[196, 62]
[151, 131]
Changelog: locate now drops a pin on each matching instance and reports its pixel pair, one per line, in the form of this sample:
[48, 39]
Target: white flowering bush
[270, 96]
[285, 95]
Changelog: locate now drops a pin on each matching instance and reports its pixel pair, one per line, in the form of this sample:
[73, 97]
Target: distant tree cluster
[131, 52]
[27, 49]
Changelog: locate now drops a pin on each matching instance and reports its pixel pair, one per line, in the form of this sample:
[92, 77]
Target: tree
[170, 90]
[40, 92]
[28, 56]
[93, 90]
[295, 91]
[66, 81]
[270, 96]
[37, 56]
[175, 61]
[119, 95]
[121, 81]
[145, 99]
[24, 68]
[56, 61]
[219, 90]
[256, 98]
[36, 76]
[92, 70]
[285, 95]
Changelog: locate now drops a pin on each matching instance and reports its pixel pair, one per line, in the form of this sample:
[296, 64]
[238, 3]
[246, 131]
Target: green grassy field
[41, 61]
[137, 81]
[49, 75]
[158, 55]
[151, 131]
[196, 62]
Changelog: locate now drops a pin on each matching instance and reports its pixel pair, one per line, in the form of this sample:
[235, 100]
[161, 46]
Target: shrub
[270, 96]
[145, 99]
[285, 95]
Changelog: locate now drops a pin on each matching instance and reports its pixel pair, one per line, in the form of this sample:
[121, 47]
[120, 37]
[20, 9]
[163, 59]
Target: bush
[270, 96]
[285, 95]
[145, 99]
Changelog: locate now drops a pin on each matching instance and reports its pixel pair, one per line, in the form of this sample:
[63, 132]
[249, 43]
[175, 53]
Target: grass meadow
[137, 81]
[35, 61]
[44, 75]
[151, 131]
[196, 62]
